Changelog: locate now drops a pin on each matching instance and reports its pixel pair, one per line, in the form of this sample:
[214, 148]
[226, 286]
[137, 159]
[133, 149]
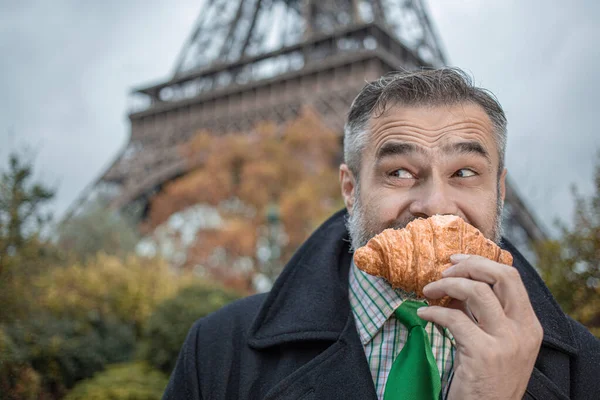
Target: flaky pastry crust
[412, 257]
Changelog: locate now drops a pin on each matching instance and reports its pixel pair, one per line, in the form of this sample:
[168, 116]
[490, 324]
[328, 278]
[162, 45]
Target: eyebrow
[391, 149]
[470, 147]
[395, 149]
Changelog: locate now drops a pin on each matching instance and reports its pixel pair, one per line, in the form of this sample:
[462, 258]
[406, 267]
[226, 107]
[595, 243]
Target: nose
[433, 197]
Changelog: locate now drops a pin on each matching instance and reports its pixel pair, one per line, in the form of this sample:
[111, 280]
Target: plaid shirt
[373, 302]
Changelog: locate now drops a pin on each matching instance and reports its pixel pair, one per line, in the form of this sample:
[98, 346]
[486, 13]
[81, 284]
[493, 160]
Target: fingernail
[458, 257]
[448, 271]
[420, 310]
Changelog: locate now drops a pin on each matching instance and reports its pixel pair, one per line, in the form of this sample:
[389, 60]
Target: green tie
[414, 374]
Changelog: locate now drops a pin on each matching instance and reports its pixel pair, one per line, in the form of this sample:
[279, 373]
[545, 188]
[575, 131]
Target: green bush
[167, 327]
[129, 381]
[8, 351]
[126, 289]
[66, 351]
[98, 228]
[17, 379]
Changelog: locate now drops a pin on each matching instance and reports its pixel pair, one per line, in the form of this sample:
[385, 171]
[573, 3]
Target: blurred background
[159, 161]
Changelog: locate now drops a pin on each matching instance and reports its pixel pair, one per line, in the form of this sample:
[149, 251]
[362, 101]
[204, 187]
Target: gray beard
[362, 227]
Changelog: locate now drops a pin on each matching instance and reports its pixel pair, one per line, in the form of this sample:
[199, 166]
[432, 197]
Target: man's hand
[497, 333]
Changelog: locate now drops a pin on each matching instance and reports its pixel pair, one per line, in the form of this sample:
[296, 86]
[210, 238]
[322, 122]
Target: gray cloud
[67, 67]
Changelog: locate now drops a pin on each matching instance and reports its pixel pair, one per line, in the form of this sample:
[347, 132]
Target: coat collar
[309, 300]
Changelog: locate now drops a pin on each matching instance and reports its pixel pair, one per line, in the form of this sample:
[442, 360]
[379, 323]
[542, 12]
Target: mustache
[400, 224]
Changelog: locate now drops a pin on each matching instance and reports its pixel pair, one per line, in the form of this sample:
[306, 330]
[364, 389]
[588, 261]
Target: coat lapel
[340, 372]
[309, 300]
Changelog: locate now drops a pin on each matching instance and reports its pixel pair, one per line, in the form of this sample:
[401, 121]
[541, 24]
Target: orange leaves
[237, 238]
[258, 167]
[293, 166]
[260, 182]
[309, 138]
[200, 186]
[196, 149]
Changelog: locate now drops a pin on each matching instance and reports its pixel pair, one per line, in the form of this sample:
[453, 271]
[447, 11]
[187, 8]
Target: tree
[20, 207]
[86, 315]
[23, 252]
[98, 228]
[64, 351]
[570, 265]
[270, 187]
[17, 379]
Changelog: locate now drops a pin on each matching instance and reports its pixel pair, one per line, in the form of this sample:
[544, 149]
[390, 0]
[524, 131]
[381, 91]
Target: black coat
[300, 341]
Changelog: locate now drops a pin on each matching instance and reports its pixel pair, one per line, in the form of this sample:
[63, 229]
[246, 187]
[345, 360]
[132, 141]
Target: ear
[502, 183]
[348, 184]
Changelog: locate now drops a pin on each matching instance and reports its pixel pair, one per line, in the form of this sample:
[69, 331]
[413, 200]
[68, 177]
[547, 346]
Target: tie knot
[407, 314]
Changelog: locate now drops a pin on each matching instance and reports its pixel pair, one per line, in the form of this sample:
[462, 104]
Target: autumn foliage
[287, 172]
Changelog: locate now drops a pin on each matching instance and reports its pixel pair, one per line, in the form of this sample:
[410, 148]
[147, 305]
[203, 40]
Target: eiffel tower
[253, 60]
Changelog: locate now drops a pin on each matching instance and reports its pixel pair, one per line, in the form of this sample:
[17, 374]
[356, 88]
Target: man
[415, 145]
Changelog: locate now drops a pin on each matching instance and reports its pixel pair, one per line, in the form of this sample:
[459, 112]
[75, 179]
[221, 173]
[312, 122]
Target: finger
[461, 327]
[505, 280]
[478, 297]
[461, 306]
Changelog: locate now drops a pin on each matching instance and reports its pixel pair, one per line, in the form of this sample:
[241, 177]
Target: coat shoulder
[234, 318]
[210, 349]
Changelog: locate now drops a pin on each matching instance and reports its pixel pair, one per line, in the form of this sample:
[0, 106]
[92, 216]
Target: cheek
[386, 205]
[479, 208]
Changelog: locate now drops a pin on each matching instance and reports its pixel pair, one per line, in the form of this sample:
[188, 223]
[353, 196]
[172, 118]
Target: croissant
[412, 257]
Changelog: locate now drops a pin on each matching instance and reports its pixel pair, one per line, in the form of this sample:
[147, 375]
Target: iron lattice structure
[232, 30]
[253, 60]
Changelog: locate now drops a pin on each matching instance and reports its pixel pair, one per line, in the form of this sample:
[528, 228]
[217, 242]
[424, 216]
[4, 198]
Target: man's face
[421, 161]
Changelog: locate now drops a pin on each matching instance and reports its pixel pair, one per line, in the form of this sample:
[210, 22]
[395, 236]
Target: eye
[402, 174]
[465, 173]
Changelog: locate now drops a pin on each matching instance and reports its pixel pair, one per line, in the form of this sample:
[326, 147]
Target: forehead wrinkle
[432, 132]
[416, 133]
[459, 125]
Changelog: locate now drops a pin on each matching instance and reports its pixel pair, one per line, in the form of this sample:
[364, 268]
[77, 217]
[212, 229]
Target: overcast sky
[66, 69]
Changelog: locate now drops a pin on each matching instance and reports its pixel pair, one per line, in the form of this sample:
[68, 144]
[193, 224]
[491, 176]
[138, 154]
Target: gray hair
[432, 87]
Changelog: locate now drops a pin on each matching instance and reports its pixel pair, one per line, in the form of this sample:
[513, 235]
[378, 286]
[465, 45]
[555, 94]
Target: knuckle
[464, 324]
[533, 335]
[443, 317]
[538, 331]
[512, 273]
[459, 269]
[473, 259]
[481, 290]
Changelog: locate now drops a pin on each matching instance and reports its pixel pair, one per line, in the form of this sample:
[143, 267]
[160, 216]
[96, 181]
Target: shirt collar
[373, 301]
